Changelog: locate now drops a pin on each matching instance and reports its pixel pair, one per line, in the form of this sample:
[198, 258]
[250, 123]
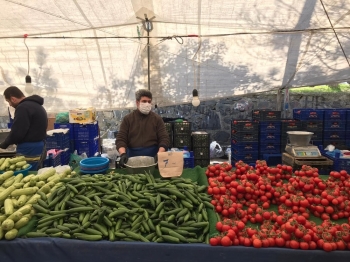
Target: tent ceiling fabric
[88, 52]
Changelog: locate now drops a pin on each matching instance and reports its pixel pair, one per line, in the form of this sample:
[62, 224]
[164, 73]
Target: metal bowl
[140, 165]
[299, 138]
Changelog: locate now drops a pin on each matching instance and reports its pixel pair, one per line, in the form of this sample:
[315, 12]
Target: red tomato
[213, 241]
[257, 243]
[226, 241]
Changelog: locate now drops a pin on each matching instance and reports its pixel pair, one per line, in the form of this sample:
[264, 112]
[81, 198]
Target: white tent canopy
[95, 52]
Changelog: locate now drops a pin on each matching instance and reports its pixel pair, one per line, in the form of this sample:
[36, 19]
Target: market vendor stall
[57, 249]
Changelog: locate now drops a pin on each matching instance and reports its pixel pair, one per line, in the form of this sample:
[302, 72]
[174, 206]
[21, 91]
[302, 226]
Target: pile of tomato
[245, 193]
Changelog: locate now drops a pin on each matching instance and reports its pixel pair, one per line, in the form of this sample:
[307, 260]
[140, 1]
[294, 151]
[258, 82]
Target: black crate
[339, 144]
[202, 162]
[312, 125]
[334, 135]
[171, 141]
[318, 135]
[244, 126]
[182, 128]
[334, 125]
[266, 115]
[245, 136]
[200, 140]
[290, 125]
[201, 153]
[169, 128]
[182, 140]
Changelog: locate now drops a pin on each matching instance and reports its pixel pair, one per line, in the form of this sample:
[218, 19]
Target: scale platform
[303, 151]
[323, 163]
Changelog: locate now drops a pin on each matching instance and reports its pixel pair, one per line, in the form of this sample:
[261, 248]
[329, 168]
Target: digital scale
[300, 152]
[299, 144]
[303, 151]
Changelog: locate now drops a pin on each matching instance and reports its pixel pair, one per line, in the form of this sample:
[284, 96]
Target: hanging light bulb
[29, 87]
[195, 99]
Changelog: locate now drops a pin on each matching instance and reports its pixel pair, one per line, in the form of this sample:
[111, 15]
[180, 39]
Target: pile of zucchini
[18, 194]
[125, 208]
[13, 164]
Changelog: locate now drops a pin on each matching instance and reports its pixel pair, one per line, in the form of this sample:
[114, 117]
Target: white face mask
[145, 108]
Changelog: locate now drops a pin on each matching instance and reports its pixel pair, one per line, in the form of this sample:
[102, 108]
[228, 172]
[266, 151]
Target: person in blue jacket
[29, 126]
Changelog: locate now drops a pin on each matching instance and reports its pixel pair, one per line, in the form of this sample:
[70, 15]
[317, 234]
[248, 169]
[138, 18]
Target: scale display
[303, 153]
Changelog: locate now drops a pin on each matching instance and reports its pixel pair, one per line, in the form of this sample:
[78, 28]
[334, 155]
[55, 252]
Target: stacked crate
[312, 121]
[244, 141]
[60, 142]
[201, 148]
[288, 125]
[182, 135]
[334, 128]
[269, 134]
[269, 138]
[86, 138]
[65, 155]
[182, 140]
[169, 129]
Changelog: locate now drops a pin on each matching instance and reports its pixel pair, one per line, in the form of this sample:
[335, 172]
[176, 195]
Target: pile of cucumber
[121, 207]
[13, 164]
[18, 194]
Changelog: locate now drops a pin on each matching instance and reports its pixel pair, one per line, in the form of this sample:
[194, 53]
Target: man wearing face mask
[142, 132]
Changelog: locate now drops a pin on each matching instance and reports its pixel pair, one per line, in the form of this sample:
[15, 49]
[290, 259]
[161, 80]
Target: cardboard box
[50, 123]
[82, 115]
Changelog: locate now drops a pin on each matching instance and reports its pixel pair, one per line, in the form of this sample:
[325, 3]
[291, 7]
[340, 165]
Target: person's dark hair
[13, 91]
[142, 92]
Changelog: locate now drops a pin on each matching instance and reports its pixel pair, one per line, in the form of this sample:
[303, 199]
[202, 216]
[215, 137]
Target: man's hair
[143, 92]
[13, 91]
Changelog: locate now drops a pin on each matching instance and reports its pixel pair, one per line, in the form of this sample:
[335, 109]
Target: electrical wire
[25, 37]
[336, 35]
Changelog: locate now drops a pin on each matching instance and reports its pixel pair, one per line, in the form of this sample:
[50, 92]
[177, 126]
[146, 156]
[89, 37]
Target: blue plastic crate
[245, 146]
[334, 125]
[339, 163]
[272, 148]
[335, 114]
[246, 157]
[308, 114]
[189, 162]
[244, 126]
[90, 147]
[272, 159]
[55, 161]
[245, 136]
[334, 135]
[348, 115]
[85, 131]
[57, 141]
[64, 126]
[267, 126]
[65, 156]
[270, 137]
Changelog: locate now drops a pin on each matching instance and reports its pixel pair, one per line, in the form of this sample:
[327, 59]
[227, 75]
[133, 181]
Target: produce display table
[56, 249]
[59, 249]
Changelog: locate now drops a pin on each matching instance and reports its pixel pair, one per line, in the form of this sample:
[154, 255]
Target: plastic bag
[62, 118]
[216, 150]
[74, 160]
[244, 104]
